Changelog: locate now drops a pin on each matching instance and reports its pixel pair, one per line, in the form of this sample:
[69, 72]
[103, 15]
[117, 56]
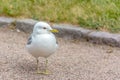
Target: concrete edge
[67, 31]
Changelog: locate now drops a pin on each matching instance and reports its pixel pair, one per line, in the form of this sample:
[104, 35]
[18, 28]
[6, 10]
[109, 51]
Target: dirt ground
[73, 61]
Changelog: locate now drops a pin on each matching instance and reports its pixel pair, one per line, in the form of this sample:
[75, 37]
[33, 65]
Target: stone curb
[6, 21]
[67, 31]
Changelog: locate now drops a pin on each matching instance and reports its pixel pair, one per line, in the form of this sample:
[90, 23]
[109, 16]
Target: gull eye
[44, 28]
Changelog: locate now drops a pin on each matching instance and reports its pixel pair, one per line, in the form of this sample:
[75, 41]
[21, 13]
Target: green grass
[93, 14]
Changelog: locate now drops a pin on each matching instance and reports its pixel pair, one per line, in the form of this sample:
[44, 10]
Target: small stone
[109, 51]
[18, 30]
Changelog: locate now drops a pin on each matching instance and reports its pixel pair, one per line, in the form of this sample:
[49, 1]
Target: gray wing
[29, 40]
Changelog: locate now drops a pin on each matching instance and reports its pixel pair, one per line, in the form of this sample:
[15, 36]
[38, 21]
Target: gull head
[43, 28]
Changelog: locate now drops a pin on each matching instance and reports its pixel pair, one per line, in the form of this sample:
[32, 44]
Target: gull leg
[38, 71]
[46, 68]
[46, 65]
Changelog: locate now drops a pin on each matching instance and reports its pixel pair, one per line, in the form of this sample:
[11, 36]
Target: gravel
[74, 60]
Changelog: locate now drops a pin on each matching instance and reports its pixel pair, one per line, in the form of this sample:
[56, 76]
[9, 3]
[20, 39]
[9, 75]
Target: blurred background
[92, 14]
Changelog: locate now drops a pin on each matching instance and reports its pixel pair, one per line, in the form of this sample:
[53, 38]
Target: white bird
[42, 42]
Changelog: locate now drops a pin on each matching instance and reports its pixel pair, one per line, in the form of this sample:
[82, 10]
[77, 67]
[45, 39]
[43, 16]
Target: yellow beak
[54, 31]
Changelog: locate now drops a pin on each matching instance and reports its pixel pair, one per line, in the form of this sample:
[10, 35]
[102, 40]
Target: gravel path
[73, 61]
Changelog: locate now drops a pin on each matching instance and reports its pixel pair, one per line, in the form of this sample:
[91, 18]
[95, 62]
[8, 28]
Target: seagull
[42, 42]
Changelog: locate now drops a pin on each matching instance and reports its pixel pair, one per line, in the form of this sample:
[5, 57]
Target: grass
[93, 14]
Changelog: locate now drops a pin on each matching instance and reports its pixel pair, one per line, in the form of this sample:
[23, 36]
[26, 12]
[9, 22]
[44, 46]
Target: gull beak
[54, 31]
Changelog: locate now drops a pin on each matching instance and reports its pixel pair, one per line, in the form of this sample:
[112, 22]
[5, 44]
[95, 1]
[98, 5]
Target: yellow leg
[38, 71]
[46, 67]
[46, 70]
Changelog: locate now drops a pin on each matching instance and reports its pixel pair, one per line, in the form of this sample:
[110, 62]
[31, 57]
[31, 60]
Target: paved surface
[73, 61]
